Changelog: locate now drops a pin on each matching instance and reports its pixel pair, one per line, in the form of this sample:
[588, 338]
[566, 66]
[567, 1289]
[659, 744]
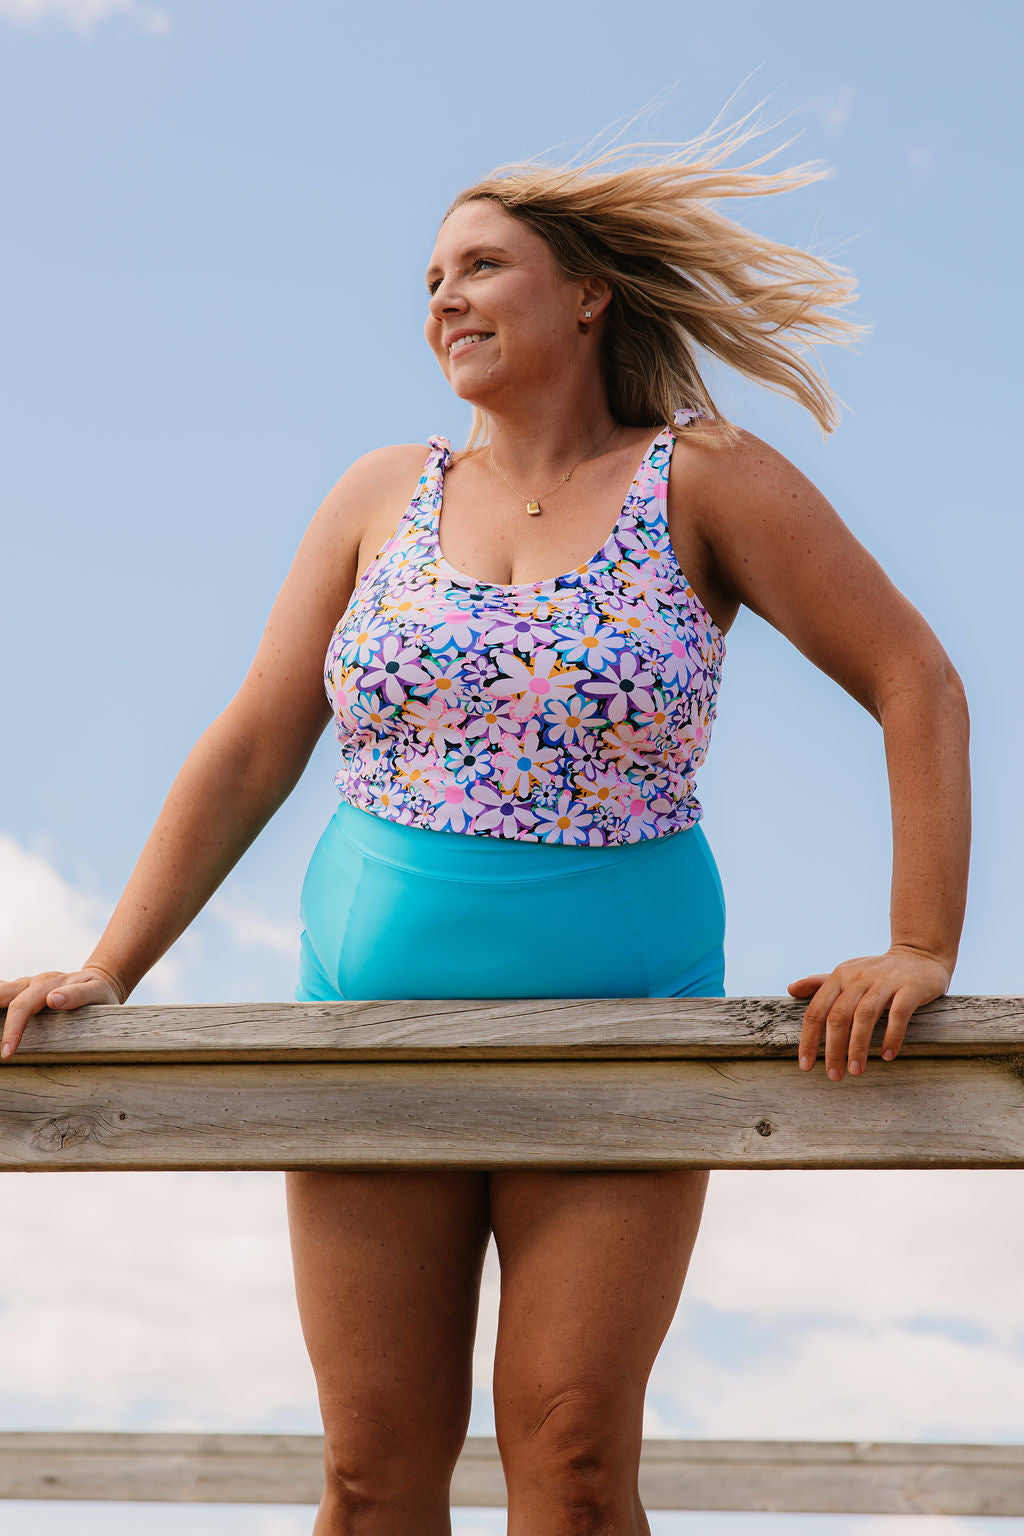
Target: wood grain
[943, 1112]
[794, 1477]
[530, 1029]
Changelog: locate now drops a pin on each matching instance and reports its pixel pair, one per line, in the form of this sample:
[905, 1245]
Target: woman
[520, 727]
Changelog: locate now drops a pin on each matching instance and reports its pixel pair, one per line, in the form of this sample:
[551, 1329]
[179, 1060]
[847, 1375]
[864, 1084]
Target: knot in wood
[764, 1127]
[64, 1132]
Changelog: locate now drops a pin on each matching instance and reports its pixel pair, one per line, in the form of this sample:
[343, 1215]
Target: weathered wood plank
[915, 1113]
[795, 1477]
[536, 1029]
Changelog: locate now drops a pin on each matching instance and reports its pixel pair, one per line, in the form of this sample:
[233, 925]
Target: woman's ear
[595, 296]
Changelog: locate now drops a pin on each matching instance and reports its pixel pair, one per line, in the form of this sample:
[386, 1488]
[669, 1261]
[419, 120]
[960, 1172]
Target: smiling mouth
[465, 342]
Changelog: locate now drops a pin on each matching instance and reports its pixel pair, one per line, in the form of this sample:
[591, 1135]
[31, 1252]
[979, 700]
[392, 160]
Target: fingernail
[58, 998]
[856, 1068]
[834, 1074]
[5, 1052]
[805, 1063]
[887, 1055]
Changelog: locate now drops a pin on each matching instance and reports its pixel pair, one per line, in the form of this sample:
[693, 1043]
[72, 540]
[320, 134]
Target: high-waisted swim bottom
[404, 912]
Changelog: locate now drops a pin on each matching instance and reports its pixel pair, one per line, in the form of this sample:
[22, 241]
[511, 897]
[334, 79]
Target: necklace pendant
[533, 508]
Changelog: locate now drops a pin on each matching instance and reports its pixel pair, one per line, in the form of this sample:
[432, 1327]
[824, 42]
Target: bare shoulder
[375, 478]
[736, 475]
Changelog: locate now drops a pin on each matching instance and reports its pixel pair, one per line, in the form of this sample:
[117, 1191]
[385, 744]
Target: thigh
[592, 1265]
[387, 1271]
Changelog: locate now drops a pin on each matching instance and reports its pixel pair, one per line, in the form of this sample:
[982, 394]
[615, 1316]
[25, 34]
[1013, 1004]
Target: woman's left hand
[848, 1002]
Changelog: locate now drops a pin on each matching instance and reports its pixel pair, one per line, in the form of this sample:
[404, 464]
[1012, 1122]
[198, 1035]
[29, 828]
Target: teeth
[467, 341]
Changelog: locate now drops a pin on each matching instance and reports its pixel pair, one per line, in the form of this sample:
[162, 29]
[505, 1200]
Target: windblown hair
[683, 276]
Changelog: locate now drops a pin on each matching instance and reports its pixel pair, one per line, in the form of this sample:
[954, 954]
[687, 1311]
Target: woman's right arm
[246, 763]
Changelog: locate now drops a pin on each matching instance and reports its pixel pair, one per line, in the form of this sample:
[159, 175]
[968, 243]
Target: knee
[371, 1463]
[575, 1455]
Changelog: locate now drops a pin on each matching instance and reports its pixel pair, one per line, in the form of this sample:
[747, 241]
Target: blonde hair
[682, 275]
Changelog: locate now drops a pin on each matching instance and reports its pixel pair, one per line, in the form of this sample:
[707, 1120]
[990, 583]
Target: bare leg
[387, 1272]
[592, 1265]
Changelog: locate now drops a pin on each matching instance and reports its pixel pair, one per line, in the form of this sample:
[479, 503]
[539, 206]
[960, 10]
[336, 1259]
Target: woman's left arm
[777, 545]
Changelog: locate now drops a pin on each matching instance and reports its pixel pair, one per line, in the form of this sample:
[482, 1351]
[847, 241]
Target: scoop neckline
[527, 586]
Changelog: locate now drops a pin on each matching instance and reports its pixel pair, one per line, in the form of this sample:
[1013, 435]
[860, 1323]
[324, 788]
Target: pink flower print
[571, 719]
[565, 822]
[509, 818]
[534, 686]
[434, 720]
[455, 627]
[626, 745]
[591, 642]
[518, 631]
[675, 662]
[693, 740]
[455, 810]
[357, 648]
[395, 668]
[345, 688]
[624, 686]
[642, 816]
[522, 762]
[469, 763]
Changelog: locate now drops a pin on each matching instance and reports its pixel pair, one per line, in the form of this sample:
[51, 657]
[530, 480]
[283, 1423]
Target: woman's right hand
[59, 990]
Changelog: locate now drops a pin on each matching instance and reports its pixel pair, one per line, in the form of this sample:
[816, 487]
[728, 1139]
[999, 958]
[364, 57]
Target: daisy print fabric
[574, 710]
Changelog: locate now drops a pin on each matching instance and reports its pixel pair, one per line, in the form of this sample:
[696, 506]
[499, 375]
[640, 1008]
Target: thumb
[78, 994]
[806, 986]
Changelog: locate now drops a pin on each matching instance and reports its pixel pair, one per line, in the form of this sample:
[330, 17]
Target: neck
[536, 440]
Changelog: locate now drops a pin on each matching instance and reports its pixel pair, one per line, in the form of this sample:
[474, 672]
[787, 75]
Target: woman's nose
[446, 300]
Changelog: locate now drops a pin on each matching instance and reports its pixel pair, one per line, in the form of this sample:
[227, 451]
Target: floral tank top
[572, 710]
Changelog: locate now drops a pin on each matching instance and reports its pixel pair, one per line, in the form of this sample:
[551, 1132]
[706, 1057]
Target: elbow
[931, 688]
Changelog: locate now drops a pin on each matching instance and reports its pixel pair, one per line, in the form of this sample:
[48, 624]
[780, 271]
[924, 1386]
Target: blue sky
[217, 221]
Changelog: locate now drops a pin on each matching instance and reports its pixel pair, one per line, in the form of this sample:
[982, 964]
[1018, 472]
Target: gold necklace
[533, 502]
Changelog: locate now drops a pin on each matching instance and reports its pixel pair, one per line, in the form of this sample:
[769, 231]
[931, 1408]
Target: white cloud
[84, 16]
[849, 1382]
[251, 929]
[48, 924]
[167, 1296]
[868, 1246]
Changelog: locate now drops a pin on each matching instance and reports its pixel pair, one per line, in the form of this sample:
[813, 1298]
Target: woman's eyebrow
[468, 256]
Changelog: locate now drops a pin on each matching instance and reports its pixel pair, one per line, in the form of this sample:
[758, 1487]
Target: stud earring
[587, 313]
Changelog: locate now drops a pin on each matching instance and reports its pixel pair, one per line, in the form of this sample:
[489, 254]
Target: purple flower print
[395, 669]
[518, 631]
[625, 685]
[508, 818]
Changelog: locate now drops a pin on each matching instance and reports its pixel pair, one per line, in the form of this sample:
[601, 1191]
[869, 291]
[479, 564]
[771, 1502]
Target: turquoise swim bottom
[404, 912]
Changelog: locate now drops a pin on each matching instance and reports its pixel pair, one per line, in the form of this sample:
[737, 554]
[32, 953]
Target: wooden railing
[624, 1083]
